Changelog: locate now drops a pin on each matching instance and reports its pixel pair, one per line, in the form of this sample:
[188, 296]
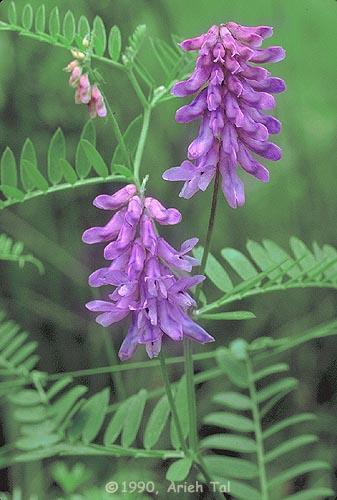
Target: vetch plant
[151, 292]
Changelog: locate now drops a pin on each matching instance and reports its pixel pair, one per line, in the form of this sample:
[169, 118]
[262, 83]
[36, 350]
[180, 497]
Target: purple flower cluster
[232, 95]
[150, 277]
[85, 93]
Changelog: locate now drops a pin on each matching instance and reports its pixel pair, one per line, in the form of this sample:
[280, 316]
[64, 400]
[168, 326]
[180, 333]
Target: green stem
[117, 130]
[141, 145]
[191, 400]
[258, 431]
[173, 408]
[137, 89]
[116, 376]
[210, 228]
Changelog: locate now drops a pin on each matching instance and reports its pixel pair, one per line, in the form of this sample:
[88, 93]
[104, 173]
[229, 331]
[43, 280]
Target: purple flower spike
[232, 95]
[148, 275]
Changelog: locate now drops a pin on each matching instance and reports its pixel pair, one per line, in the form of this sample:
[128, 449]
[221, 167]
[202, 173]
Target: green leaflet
[156, 422]
[115, 43]
[179, 470]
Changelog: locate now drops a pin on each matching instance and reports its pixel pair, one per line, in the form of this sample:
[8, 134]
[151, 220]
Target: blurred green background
[300, 199]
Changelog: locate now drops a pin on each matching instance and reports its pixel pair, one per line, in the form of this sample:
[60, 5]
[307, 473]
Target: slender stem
[210, 228]
[141, 144]
[169, 394]
[137, 89]
[258, 432]
[211, 221]
[117, 130]
[191, 400]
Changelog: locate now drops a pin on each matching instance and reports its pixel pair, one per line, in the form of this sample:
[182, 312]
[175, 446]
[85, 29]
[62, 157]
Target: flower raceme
[85, 93]
[232, 94]
[150, 277]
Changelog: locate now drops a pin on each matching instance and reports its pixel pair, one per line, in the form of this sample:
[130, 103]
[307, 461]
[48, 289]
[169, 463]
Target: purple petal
[268, 55]
[195, 331]
[117, 200]
[165, 216]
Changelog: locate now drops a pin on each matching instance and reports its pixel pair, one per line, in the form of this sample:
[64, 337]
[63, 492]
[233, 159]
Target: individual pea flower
[232, 95]
[150, 278]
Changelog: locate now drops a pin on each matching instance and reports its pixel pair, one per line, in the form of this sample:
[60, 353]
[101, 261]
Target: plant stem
[258, 431]
[117, 130]
[210, 228]
[141, 144]
[137, 89]
[169, 394]
[191, 400]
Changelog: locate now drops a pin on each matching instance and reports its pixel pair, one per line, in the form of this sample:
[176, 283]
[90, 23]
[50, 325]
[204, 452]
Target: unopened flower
[150, 277]
[85, 93]
[233, 92]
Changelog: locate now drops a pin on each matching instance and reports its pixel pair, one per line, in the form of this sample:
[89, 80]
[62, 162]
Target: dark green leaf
[278, 255]
[28, 154]
[83, 27]
[231, 467]
[230, 442]
[99, 36]
[298, 470]
[115, 43]
[274, 388]
[116, 424]
[54, 22]
[95, 410]
[69, 27]
[235, 369]
[8, 168]
[233, 400]
[83, 165]
[34, 175]
[40, 19]
[131, 137]
[156, 422]
[133, 418]
[30, 414]
[26, 397]
[12, 17]
[239, 262]
[68, 172]
[56, 152]
[231, 421]
[302, 252]
[243, 491]
[58, 387]
[288, 422]
[121, 170]
[27, 17]
[12, 192]
[95, 158]
[179, 470]
[182, 411]
[37, 441]
[214, 271]
[270, 370]
[290, 445]
[65, 403]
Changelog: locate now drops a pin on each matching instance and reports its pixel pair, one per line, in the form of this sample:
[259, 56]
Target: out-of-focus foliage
[300, 199]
